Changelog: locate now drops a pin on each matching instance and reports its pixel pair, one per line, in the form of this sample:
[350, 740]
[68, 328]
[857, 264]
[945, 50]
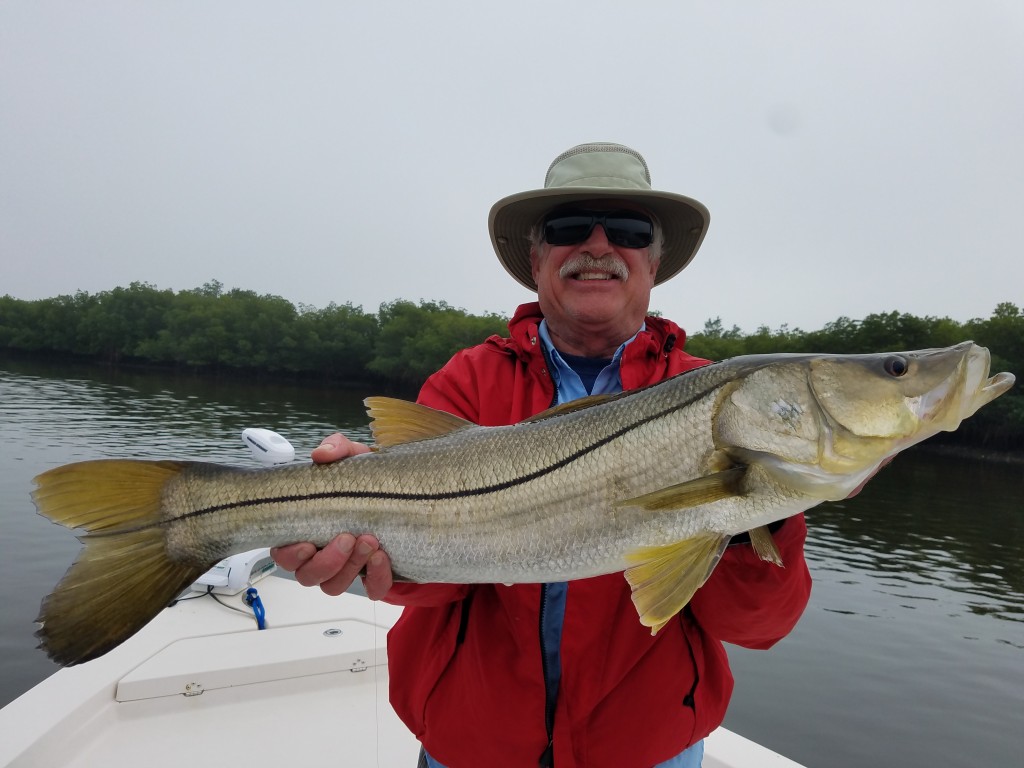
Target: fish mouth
[996, 385]
[965, 392]
[984, 388]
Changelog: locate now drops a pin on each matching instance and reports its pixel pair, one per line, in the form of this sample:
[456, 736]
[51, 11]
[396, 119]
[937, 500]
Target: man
[564, 674]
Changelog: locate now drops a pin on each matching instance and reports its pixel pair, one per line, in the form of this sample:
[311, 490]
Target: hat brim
[683, 221]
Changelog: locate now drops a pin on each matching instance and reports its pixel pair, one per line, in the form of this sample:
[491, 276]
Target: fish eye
[895, 365]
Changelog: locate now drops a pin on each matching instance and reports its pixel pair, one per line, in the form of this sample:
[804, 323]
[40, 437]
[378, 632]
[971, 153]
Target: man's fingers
[379, 579]
[326, 452]
[337, 565]
[326, 562]
[358, 557]
[336, 447]
[293, 556]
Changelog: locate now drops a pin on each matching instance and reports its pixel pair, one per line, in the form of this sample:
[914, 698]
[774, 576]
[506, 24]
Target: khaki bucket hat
[592, 172]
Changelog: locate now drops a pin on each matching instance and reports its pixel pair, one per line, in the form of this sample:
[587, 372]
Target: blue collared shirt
[568, 384]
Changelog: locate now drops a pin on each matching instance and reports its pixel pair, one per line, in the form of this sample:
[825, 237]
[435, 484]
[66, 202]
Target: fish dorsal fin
[573, 405]
[663, 579]
[397, 421]
[763, 543]
[692, 493]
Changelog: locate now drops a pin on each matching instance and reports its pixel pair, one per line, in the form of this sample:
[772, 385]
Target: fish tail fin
[123, 577]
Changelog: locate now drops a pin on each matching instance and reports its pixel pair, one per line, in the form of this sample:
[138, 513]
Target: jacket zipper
[547, 757]
[690, 699]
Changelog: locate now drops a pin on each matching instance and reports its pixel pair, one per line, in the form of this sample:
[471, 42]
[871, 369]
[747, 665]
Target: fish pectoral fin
[692, 493]
[764, 545]
[397, 421]
[663, 579]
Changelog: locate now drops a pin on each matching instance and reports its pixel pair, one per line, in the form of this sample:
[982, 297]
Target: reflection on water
[910, 652]
[158, 417]
[930, 525]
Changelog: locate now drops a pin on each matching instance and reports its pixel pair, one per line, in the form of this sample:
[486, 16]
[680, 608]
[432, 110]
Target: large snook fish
[653, 482]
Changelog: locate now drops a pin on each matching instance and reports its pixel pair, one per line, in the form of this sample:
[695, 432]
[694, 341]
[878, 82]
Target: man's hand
[337, 565]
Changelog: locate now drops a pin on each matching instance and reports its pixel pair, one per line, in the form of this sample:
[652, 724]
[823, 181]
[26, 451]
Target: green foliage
[416, 340]
[336, 340]
[215, 329]
[716, 343]
[115, 323]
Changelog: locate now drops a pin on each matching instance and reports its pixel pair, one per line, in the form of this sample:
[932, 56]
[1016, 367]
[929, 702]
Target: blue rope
[252, 599]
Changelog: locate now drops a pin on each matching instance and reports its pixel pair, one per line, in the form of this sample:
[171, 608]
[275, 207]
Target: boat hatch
[194, 665]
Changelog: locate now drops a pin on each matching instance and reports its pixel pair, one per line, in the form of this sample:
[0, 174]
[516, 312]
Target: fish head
[903, 397]
[825, 423]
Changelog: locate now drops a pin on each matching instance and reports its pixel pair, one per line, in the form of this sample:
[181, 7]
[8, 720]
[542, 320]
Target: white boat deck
[201, 686]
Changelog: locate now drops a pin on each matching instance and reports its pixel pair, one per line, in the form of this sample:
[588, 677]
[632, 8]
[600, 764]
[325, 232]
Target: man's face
[595, 286]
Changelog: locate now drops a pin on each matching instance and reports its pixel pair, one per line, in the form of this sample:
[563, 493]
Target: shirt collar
[567, 381]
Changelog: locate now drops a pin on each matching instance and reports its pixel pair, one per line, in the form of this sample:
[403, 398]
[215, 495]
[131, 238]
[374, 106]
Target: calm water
[911, 652]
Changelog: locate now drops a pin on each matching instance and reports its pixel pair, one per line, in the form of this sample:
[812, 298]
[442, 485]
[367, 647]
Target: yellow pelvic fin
[123, 576]
[664, 578]
[763, 543]
[692, 493]
[397, 421]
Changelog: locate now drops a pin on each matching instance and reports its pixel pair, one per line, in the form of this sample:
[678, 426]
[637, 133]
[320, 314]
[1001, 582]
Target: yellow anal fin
[664, 578]
[692, 493]
[397, 421]
[763, 543]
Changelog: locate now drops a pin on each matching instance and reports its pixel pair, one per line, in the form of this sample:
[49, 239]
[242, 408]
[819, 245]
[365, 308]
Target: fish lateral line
[436, 496]
[376, 495]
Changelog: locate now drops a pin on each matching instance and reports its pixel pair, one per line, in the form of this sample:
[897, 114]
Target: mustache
[584, 262]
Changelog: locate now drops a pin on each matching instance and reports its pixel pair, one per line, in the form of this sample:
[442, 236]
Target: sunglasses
[628, 229]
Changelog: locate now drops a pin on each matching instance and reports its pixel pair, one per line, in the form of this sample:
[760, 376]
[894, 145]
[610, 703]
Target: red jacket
[465, 660]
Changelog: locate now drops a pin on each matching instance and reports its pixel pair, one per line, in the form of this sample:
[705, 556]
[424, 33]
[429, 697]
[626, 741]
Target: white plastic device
[267, 446]
[236, 573]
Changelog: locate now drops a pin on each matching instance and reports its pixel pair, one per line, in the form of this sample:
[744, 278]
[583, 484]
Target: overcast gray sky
[857, 157]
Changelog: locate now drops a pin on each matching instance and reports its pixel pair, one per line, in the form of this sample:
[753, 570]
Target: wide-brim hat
[592, 172]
